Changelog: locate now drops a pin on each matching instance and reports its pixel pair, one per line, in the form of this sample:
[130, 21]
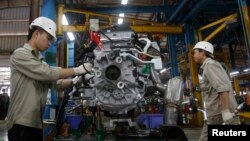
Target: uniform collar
[204, 63]
[34, 52]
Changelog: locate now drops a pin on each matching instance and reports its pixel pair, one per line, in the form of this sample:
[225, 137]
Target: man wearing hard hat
[217, 92]
[31, 79]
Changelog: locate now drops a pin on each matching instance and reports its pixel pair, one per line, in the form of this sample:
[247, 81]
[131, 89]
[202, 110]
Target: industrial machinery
[124, 66]
[121, 69]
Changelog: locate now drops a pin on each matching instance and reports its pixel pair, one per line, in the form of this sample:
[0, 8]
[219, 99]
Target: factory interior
[145, 82]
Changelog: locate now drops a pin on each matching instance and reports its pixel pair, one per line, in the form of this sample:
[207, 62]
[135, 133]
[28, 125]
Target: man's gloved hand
[82, 69]
[88, 76]
[227, 116]
[77, 79]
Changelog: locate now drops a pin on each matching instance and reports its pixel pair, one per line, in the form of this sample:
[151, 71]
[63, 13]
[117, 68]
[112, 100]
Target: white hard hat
[204, 45]
[47, 24]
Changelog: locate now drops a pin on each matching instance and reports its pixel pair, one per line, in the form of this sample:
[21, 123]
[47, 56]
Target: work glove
[77, 79]
[88, 76]
[227, 116]
[83, 69]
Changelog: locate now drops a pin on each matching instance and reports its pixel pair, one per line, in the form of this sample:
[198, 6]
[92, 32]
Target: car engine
[125, 71]
[121, 69]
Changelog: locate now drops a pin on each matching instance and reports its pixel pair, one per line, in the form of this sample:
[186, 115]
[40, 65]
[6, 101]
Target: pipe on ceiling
[178, 10]
[194, 10]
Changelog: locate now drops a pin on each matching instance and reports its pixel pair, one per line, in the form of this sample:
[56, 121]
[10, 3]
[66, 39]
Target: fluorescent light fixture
[70, 34]
[246, 70]
[124, 2]
[64, 20]
[120, 21]
[234, 73]
[244, 93]
[121, 15]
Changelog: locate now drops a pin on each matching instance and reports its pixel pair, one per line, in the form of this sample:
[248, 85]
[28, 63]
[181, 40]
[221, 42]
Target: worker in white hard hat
[31, 78]
[216, 89]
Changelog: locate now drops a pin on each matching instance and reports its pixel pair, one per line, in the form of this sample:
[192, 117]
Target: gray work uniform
[215, 80]
[30, 80]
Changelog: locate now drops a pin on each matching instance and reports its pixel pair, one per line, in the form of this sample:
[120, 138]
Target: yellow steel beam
[137, 24]
[244, 115]
[199, 35]
[228, 18]
[218, 30]
[75, 28]
[59, 19]
[157, 29]
[236, 85]
[194, 76]
[138, 29]
[215, 32]
[84, 12]
[246, 26]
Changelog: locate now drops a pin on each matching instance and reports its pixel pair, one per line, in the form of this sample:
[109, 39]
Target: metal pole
[34, 10]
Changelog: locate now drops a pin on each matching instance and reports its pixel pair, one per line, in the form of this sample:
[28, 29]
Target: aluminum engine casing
[116, 84]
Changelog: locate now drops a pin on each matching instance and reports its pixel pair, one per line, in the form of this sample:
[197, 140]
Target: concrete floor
[191, 133]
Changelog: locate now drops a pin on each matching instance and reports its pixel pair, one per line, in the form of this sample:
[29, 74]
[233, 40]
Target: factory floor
[192, 134]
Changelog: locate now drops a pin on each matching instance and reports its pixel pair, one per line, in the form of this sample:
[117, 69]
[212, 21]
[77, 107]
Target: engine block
[117, 85]
[120, 71]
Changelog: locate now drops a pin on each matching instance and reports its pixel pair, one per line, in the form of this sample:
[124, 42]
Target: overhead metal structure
[194, 10]
[224, 22]
[137, 25]
[131, 9]
[178, 10]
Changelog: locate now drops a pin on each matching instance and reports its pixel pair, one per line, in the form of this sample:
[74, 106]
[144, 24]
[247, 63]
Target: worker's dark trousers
[24, 133]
